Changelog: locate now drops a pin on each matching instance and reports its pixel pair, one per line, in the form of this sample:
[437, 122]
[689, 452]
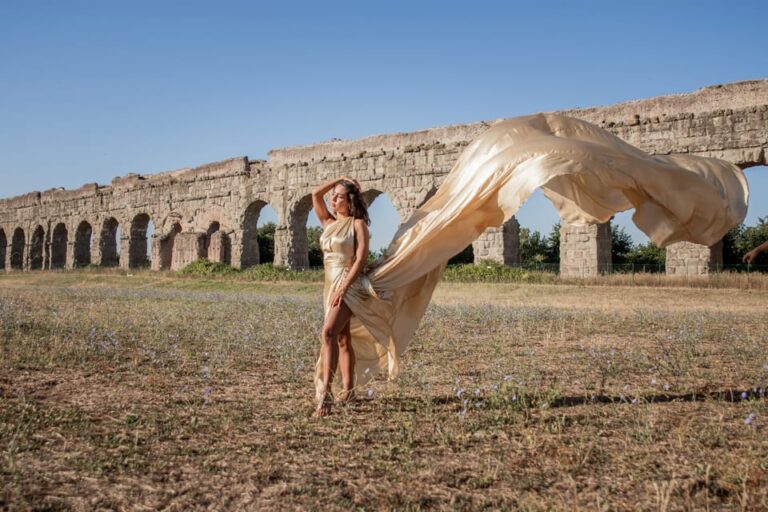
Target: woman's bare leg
[337, 318]
[346, 363]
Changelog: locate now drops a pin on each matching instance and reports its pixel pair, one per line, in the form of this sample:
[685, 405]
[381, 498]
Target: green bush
[269, 272]
[205, 268]
[493, 272]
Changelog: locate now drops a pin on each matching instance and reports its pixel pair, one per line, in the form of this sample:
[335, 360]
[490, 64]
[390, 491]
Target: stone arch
[427, 196]
[167, 243]
[250, 254]
[137, 243]
[396, 196]
[18, 243]
[213, 227]
[109, 243]
[36, 249]
[59, 242]
[83, 236]
[3, 248]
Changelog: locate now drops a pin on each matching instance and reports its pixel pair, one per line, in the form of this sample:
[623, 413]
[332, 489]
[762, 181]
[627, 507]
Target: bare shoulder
[361, 229]
[326, 222]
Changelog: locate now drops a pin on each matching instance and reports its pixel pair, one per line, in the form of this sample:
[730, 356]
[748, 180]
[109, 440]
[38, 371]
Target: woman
[586, 172]
[345, 253]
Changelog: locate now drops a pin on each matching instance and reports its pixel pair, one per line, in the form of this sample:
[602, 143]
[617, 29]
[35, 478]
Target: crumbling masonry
[212, 210]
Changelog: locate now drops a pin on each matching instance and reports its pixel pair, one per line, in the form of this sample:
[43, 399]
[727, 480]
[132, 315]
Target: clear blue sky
[97, 89]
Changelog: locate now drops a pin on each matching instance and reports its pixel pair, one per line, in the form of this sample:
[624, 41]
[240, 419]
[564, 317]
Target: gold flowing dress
[587, 173]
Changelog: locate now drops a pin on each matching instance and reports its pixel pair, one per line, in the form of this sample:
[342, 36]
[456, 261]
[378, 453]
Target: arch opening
[59, 246]
[36, 249]
[385, 220]
[539, 235]
[17, 249]
[83, 237]
[139, 243]
[109, 243]
[259, 224]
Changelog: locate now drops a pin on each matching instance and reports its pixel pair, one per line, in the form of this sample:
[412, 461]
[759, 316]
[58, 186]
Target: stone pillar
[689, 259]
[7, 256]
[125, 259]
[96, 256]
[155, 253]
[500, 244]
[219, 247]
[47, 253]
[236, 249]
[70, 263]
[291, 247]
[25, 255]
[585, 250]
[187, 247]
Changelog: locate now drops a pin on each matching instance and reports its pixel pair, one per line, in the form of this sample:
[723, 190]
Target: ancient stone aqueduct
[212, 210]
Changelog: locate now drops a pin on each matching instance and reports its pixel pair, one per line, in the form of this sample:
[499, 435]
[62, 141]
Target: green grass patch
[493, 272]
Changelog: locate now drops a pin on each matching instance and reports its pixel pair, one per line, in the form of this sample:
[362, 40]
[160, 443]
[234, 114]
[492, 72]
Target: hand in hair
[353, 181]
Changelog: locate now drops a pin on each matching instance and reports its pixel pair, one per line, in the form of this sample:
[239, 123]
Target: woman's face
[340, 200]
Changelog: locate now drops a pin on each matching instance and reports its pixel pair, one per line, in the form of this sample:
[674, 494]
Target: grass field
[152, 392]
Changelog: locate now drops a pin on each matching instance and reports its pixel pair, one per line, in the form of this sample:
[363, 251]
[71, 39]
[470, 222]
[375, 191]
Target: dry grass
[157, 393]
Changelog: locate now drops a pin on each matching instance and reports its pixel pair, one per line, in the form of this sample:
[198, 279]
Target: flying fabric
[588, 174]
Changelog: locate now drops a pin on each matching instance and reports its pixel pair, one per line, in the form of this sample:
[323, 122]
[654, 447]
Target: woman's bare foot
[324, 406]
[346, 396]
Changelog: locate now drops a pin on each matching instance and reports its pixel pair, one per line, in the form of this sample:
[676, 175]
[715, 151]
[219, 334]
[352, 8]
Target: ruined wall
[78, 227]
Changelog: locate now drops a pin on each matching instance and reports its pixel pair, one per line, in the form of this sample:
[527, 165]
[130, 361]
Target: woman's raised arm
[318, 203]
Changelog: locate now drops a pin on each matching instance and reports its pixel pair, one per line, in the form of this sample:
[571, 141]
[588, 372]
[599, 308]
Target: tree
[621, 245]
[731, 242]
[464, 257]
[553, 245]
[265, 236]
[647, 257]
[313, 246]
[754, 236]
[533, 247]
[741, 239]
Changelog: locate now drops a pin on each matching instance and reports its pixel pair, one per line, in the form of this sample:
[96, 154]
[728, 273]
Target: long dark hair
[357, 206]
